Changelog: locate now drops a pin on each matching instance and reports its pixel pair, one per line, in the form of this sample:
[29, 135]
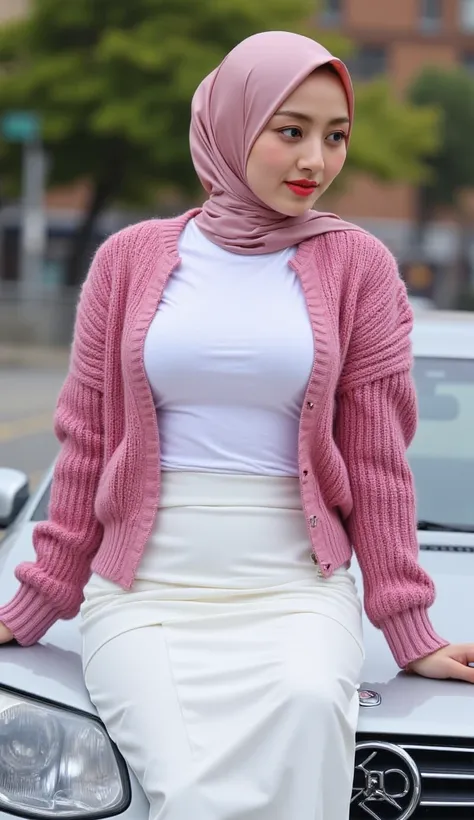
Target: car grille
[446, 769]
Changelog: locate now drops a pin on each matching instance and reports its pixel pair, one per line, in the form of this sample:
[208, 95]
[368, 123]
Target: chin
[299, 210]
[293, 209]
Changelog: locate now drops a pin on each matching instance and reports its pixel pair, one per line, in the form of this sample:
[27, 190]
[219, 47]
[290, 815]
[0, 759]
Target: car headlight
[57, 763]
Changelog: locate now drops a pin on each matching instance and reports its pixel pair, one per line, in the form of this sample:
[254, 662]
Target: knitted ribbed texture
[358, 416]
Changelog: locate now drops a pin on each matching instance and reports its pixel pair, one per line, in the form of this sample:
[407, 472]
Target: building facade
[398, 38]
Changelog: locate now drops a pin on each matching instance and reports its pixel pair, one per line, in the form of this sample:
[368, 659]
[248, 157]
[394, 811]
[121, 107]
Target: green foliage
[113, 80]
[452, 164]
[391, 137]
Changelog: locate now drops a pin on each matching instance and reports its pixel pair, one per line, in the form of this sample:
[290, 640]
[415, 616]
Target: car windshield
[442, 453]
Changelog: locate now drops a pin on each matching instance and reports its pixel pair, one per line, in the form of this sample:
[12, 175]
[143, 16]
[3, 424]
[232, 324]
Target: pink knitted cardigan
[358, 416]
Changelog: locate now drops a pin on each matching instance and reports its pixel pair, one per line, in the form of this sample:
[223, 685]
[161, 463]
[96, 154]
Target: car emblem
[367, 697]
[387, 783]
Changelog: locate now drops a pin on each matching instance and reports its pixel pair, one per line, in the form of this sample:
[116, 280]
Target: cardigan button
[313, 520]
[305, 473]
[310, 404]
[317, 565]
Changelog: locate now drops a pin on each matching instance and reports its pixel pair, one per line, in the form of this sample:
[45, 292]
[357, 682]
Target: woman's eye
[337, 137]
[293, 132]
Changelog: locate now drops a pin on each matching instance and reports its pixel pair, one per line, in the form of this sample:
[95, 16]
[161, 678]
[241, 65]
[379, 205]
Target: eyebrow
[306, 118]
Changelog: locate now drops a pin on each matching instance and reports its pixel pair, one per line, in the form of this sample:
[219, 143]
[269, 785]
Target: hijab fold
[230, 108]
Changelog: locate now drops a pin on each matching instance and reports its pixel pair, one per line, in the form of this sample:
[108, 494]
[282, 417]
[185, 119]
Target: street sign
[20, 126]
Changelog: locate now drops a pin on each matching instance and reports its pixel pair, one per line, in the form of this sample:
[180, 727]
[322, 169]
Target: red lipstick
[302, 187]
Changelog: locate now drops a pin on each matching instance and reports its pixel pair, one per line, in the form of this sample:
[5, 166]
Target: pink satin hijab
[229, 110]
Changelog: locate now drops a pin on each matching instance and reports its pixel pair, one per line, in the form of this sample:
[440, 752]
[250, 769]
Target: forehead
[321, 94]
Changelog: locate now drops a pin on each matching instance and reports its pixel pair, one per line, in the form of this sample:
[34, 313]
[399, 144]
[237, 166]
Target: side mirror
[14, 493]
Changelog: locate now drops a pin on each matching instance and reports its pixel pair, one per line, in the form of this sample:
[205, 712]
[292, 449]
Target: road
[27, 400]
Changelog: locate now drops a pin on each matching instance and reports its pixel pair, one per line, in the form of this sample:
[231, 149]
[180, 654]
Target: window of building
[431, 15]
[331, 12]
[466, 10]
[369, 61]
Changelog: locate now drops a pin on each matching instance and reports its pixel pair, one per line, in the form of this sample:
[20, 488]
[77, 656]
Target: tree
[113, 80]
[393, 138]
[451, 165]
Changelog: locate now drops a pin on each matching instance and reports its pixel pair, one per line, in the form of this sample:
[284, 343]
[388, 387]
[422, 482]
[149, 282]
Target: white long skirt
[228, 675]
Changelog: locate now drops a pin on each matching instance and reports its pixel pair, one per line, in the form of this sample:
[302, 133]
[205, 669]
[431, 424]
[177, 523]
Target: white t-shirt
[228, 357]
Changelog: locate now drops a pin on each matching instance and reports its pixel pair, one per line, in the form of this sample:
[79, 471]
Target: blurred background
[94, 118]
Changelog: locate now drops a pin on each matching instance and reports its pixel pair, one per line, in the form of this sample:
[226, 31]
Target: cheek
[269, 155]
[274, 156]
[335, 162]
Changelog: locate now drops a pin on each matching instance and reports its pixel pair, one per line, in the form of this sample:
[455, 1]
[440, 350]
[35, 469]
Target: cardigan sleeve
[51, 586]
[376, 418]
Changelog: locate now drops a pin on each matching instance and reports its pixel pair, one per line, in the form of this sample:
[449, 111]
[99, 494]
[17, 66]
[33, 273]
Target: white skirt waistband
[227, 531]
[184, 488]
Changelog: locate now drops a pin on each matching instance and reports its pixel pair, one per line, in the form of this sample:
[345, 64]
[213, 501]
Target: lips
[302, 187]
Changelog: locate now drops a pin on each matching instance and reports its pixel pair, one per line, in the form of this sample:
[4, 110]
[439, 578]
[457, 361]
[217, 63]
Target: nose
[313, 158]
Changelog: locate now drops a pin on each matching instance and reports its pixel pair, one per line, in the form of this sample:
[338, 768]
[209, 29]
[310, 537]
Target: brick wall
[395, 25]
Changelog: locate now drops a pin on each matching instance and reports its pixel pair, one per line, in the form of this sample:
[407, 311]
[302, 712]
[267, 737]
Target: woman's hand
[450, 662]
[5, 634]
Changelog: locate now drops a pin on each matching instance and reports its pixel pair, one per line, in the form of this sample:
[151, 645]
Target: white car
[421, 303]
[415, 753]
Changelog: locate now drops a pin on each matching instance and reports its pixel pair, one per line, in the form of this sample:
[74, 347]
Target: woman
[269, 345]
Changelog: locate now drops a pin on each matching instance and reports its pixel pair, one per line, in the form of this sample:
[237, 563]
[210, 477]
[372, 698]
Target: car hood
[411, 703]
[53, 668]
